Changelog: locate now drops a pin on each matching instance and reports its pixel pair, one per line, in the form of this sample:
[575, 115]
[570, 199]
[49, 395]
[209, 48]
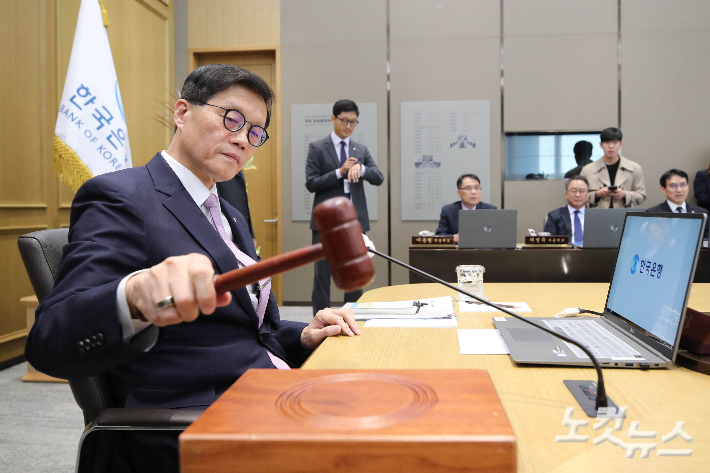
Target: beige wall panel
[440, 70]
[566, 17]
[561, 82]
[666, 103]
[424, 19]
[228, 24]
[20, 123]
[332, 21]
[664, 15]
[533, 200]
[313, 78]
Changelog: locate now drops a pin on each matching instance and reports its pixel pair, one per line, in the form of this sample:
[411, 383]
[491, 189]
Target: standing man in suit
[144, 246]
[614, 181]
[674, 184]
[469, 189]
[234, 191]
[338, 166]
[569, 220]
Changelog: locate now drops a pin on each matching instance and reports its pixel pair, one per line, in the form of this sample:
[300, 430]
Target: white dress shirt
[571, 217]
[674, 206]
[199, 194]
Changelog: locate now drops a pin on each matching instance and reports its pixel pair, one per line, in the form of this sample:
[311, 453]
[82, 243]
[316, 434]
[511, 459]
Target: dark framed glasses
[234, 121]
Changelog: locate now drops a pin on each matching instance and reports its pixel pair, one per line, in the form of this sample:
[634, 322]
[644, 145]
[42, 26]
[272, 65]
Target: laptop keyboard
[601, 342]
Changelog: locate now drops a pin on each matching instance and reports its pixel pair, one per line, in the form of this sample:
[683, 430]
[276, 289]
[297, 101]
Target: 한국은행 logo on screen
[634, 263]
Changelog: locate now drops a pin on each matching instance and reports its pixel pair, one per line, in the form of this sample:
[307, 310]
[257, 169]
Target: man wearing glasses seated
[469, 189]
[338, 166]
[674, 184]
[569, 220]
[144, 246]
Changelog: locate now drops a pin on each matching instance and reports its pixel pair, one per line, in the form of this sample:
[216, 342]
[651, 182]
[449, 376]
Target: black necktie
[343, 156]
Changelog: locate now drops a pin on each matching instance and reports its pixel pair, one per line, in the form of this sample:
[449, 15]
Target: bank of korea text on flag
[90, 137]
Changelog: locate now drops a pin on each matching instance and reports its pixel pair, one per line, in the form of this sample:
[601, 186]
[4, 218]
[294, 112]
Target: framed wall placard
[441, 141]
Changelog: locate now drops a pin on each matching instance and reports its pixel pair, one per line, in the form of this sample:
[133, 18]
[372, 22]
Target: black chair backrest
[41, 253]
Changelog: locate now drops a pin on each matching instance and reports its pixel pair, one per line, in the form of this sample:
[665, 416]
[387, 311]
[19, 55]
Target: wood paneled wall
[37, 36]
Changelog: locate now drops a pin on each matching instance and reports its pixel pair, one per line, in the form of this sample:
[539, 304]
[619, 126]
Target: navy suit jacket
[234, 191]
[693, 209]
[559, 223]
[321, 165]
[449, 218]
[702, 189]
[133, 219]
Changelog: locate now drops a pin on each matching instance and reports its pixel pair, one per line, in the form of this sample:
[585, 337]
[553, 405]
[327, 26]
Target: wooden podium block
[353, 421]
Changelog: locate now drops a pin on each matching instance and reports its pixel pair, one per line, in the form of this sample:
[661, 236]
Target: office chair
[41, 253]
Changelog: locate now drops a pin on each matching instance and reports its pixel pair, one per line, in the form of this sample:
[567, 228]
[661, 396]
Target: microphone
[341, 244]
[601, 398]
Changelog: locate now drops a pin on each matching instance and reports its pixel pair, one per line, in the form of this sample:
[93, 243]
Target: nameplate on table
[554, 241]
[441, 241]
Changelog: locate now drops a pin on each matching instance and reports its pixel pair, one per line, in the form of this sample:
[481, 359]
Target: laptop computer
[645, 306]
[487, 229]
[602, 227]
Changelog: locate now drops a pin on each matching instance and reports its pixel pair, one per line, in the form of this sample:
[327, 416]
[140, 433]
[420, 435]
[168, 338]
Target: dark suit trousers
[320, 297]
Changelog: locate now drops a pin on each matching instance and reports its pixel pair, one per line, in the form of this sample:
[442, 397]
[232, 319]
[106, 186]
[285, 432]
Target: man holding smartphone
[614, 181]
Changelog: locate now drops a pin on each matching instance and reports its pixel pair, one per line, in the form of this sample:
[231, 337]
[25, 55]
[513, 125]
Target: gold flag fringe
[104, 13]
[68, 166]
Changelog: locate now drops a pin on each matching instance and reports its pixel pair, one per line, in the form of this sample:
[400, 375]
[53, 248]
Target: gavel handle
[241, 277]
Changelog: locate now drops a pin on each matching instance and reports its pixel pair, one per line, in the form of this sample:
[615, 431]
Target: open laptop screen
[652, 278]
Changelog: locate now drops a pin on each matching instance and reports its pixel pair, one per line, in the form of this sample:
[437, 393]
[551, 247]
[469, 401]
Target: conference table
[534, 397]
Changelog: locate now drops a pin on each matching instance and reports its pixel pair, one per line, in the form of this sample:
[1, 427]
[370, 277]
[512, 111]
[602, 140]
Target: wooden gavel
[341, 244]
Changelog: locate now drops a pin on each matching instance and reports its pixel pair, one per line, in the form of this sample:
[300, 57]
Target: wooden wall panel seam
[22, 229]
[23, 205]
[152, 9]
[13, 336]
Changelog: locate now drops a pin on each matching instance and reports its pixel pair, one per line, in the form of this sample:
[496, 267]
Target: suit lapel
[180, 204]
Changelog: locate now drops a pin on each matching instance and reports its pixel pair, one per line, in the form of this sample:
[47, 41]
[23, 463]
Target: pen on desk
[502, 305]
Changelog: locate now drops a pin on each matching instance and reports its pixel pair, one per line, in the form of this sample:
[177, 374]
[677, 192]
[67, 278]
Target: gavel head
[343, 246]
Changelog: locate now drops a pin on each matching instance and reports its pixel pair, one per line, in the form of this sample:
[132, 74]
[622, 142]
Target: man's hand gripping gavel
[190, 282]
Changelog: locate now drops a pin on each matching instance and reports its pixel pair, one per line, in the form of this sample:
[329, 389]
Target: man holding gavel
[144, 247]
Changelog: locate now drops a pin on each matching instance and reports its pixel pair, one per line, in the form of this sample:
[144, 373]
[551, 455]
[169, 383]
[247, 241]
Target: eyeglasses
[234, 121]
[346, 122]
[577, 191]
[470, 188]
[675, 186]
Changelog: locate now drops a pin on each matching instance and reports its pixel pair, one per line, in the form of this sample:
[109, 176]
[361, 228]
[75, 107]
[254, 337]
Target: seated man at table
[569, 220]
[674, 185]
[144, 246]
[469, 189]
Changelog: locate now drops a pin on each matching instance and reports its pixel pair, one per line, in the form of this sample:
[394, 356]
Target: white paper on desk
[445, 322]
[436, 308]
[517, 307]
[481, 342]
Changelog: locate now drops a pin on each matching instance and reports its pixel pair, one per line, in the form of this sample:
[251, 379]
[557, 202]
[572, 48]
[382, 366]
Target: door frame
[276, 117]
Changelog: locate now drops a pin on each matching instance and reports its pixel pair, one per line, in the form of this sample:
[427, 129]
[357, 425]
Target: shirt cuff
[337, 174]
[129, 326]
[362, 170]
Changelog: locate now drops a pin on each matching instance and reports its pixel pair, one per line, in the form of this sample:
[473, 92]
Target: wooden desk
[535, 398]
[530, 265]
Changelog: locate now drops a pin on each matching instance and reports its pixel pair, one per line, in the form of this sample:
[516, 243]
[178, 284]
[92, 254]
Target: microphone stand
[601, 399]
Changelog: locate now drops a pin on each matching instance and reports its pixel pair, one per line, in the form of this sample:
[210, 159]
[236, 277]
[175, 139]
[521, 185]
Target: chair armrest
[138, 419]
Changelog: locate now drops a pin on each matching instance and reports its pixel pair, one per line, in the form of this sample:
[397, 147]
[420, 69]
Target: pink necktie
[212, 205]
